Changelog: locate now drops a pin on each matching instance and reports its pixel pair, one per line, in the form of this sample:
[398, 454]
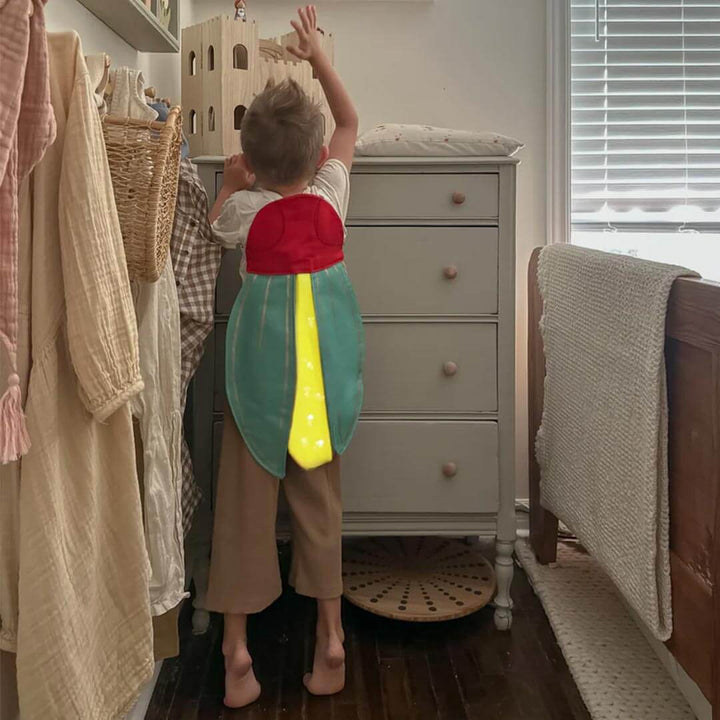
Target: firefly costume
[294, 353]
[294, 342]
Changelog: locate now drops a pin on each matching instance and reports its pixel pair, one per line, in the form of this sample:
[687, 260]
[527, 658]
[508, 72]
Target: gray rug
[616, 670]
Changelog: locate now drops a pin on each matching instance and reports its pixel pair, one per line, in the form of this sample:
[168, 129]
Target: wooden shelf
[136, 24]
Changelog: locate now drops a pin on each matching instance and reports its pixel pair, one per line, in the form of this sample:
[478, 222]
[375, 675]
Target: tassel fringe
[14, 438]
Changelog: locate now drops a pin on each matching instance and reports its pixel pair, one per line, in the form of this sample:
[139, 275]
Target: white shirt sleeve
[233, 224]
[332, 182]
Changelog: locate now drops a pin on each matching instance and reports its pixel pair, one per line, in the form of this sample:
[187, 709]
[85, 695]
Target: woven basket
[144, 160]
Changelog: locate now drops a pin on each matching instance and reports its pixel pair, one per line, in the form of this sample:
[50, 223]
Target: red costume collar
[293, 235]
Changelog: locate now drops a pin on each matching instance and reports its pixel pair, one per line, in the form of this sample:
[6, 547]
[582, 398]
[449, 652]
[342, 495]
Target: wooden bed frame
[692, 353]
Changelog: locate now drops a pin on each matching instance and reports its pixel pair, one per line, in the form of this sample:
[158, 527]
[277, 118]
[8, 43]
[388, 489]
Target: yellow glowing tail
[309, 443]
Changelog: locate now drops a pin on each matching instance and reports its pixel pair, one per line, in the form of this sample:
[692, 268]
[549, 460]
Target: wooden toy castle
[224, 66]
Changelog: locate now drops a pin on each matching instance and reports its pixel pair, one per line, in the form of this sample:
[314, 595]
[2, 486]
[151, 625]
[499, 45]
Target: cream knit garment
[128, 99]
[602, 445]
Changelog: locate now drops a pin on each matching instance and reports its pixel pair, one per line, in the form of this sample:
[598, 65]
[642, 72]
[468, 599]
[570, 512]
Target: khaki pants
[244, 571]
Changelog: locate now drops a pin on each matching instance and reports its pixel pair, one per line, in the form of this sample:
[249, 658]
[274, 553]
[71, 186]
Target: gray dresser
[431, 253]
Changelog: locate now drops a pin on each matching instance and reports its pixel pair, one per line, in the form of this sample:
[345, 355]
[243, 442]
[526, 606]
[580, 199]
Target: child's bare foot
[241, 685]
[328, 674]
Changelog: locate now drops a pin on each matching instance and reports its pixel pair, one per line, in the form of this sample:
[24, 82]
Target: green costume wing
[260, 370]
[260, 366]
[342, 348]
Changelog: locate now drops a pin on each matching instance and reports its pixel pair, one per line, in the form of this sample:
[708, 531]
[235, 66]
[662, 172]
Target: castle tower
[224, 66]
[215, 97]
[192, 87]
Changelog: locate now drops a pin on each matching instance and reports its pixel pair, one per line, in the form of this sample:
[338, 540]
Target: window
[193, 122]
[211, 57]
[239, 114]
[193, 63]
[645, 128]
[240, 57]
[211, 119]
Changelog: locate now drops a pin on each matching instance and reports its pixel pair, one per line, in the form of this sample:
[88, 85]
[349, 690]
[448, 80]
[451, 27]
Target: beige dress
[72, 553]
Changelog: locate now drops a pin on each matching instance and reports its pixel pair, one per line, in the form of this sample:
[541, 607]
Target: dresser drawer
[424, 270]
[228, 282]
[408, 367]
[217, 447]
[405, 367]
[430, 196]
[219, 360]
[434, 467]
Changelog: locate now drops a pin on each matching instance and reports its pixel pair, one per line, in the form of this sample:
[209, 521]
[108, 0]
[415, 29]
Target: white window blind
[645, 114]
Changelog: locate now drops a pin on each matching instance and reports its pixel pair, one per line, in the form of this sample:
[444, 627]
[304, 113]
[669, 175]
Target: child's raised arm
[342, 143]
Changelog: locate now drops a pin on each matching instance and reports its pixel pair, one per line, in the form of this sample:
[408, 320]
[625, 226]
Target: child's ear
[246, 163]
[324, 154]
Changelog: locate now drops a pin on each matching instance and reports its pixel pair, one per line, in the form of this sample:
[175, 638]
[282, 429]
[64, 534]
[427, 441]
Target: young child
[293, 366]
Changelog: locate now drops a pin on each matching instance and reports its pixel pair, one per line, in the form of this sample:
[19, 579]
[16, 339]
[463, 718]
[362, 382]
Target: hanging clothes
[27, 127]
[128, 98]
[196, 260]
[98, 66]
[157, 407]
[83, 634]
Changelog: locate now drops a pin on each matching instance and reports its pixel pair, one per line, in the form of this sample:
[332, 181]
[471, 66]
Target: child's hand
[309, 47]
[236, 175]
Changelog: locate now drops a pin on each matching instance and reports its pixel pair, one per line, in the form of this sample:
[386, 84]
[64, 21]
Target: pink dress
[27, 128]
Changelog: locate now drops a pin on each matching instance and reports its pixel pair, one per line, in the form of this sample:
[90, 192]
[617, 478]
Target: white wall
[95, 35]
[160, 69]
[455, 63]
[164, 68]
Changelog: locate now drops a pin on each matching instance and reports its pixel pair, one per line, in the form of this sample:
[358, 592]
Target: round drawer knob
[458, 197]
[450, 368]
[449, 469]
[450, 272]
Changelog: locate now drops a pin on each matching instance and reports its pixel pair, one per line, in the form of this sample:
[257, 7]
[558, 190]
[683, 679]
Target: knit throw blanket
[602, 444]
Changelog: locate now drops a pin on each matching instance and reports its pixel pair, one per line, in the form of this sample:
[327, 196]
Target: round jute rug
[419, 579]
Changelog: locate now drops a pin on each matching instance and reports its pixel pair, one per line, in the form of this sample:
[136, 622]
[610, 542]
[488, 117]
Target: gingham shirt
[196, 260]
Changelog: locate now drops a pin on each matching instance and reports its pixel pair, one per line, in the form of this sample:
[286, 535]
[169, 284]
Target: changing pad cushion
[424, 140]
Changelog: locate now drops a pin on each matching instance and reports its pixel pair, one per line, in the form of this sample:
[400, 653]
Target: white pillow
[410, 140]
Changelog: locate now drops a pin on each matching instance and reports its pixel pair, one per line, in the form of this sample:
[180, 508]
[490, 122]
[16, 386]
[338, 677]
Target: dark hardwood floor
[459, 670]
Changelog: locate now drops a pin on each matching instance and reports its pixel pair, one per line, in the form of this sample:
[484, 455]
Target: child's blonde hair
[282, 134]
